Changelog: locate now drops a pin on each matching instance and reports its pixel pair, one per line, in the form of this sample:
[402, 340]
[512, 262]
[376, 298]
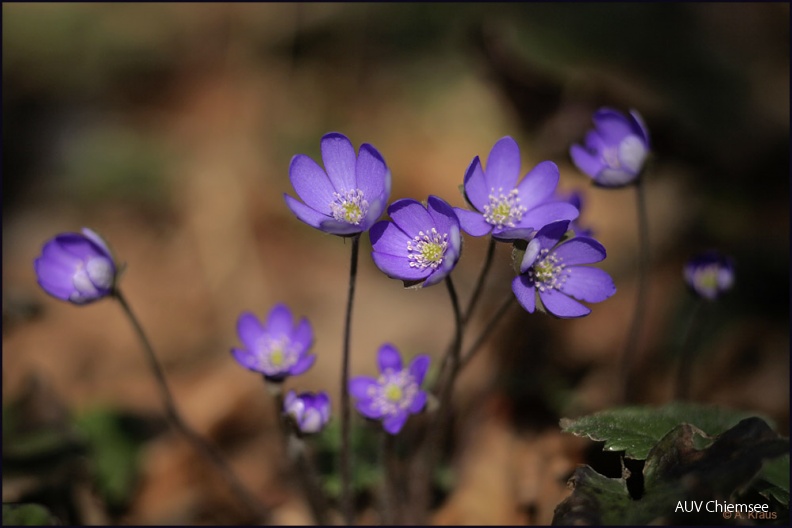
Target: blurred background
[168, 128]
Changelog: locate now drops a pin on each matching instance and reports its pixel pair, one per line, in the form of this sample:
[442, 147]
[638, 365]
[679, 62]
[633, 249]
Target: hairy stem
[346, 479]
[430, 450]
[206, 449]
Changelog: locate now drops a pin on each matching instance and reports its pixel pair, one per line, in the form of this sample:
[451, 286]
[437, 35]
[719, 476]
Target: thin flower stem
[686, 357]
[430, 451]
[346, 480]
[388, 482]
[301, 464]
[640, 298]
[489, 326]
[474, 297]
[202, 446]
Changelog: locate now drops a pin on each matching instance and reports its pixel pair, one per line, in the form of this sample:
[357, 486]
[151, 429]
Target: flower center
[277, 354]
[548, 272]
[350, 207]
[426, 250]
[394, 392]
[503, 209]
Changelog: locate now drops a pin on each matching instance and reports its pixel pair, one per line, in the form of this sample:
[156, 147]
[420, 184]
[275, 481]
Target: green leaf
[114, 454]
[773, 480]
[675, 472]
[635, 430]
[27, 515]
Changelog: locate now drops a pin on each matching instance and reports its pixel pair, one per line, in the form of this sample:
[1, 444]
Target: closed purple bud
[309, 412]
[614, 152]
[76, 267]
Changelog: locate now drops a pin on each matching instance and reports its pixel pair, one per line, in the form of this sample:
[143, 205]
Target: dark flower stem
[437, 428]
[489, 326]
[346, 480]
[474, 297]
[301, 464]
[202, 446]
[389, 514]
[631, 345]
[685, 356]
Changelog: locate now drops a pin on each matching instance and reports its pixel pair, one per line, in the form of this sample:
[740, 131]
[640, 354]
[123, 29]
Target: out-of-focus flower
[276, 349]
[420, 244]
[554, 272]
[348, 196]
[310, 412]
[709, 274]
[76, 267]
[505, 208]
[396, 393]
[615, 151]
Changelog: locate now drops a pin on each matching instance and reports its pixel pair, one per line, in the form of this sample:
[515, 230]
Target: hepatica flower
[709, 274]
[503, 207]
[76, 267]
[278, 348]
[396, 393]
[554, 272]
[348, 195]
[309, 412]
[615, 151]
[420, 244]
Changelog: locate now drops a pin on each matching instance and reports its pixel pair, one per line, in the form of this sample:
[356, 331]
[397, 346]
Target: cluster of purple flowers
[420, 245]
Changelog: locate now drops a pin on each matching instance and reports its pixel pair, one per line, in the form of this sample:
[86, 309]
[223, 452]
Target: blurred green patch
[115, 454]
[48, 453]
[115, 163]
[364, 448]
[27, 515]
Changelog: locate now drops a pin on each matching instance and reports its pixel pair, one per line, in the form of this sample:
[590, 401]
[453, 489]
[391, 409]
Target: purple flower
[709, 274]
[75, 267]
[277, 349]
[421, 244]
[554, 272]
[348, 196]
[615, 152]
[310, 412]
[505, 208]
[396, 393]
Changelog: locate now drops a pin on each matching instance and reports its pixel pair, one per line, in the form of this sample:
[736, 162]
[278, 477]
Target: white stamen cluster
[395, 391]
[426, 250]
[350, 207]
[503, 209]
[548, 272]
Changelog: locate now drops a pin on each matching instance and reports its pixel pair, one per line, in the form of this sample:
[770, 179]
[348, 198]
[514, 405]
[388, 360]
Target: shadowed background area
[169, 128]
